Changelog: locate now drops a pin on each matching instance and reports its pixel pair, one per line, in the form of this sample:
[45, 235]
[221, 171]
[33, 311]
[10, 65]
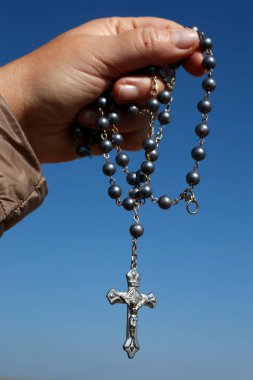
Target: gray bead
[151, 70]
[106, 146]
[195, 28]
[109, 169]
[128, 203]
[145, 191]
[113, 118]
[102, 122]
[149, 145]
[114, 191]
[117, 139]
[77, 132]
[136, 230]
[206, 44]
[209, 84]
[174, 65]
[202, 130]
[82, 151]
[198, 153]
[101, 102]
[164, 97]
[147, 167]
[193, 178]
[122, 159]
[164, 202]
[133, 192]
[152, 156]
[132, 178]
[209, 62]
[164, 117]
[204, 106]
[132, 110]
[153, 104]
[141, 176]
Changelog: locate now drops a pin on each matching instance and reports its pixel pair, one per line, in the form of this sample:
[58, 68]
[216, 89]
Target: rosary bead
[77, 132]
[117, 139]
[132, 110]
[113, 118]
[204, 106]
[193, 178]
[109, 169]
[133, 192]
[102, 122]
[195, 28]
[128, 203]
[202, 130]
[136, 230]
[122, 159]
[106, 146]
[149, 145]
[206, 44]
[141, 176]
[164, 202]
[145, 191]
[164, 97]
[151, 71]
[132, 178]
[164, 117]
[153, 104]
[82, 151]
[209, 62]
[198, 153]
[209, 84]
[175, 65]
[101, 102]
[147, 167]
[114, 191]
[152, 156]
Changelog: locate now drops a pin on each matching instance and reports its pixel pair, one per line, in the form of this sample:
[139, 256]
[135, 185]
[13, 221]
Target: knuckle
[149, 39]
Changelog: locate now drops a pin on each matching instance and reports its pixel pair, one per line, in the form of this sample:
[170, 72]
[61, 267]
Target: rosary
[107, 137]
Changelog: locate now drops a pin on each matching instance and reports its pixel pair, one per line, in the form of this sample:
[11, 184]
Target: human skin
[48, 89]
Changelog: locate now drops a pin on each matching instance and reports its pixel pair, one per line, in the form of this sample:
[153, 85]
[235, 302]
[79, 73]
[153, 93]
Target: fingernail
[128, 91]
[184, 38]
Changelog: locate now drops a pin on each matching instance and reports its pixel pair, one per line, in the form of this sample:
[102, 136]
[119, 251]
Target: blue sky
[58, 264]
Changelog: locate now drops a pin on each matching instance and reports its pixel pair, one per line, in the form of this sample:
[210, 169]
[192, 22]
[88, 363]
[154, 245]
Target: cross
[134, 301]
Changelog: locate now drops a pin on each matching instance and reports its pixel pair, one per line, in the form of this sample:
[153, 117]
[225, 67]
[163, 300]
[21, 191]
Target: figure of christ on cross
[134, 301]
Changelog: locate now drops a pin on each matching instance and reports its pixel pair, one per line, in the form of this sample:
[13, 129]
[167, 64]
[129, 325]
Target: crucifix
[134, 301]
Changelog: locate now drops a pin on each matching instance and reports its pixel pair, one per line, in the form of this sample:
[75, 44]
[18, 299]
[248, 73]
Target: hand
[48, 87]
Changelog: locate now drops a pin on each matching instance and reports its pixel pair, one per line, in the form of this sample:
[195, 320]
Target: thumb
[145, 46]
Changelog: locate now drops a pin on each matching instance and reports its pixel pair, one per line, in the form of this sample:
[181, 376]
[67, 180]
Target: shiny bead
[102, 122]
[204, 106]
[206, 44]
[106, 146]
[152, 156]
[122, 159]
[82, 151]
[209, 62]
[209, 84]
[195, 28]
[109, 169]
[149, 145]
[164, 97]
[133, 192]
[132, 178]
[151, 71]
[193, 178]
[147, 167]
[117, 139]
[128, 203]
[164, 202]
[132, 110]
[141, 177]
[164, 117]
[198, 153]
[153, 104]
[136, 230]
[202, 130]
[77, 132]
[114, 191]
[113, 118]
[101, 102]
[145, 191]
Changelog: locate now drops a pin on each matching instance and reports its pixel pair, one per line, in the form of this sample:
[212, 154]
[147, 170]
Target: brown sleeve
[22, 186]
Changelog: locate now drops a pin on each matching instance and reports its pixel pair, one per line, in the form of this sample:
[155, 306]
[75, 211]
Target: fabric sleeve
[22, 185]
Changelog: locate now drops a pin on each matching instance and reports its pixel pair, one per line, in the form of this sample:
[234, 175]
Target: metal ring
[196, 206]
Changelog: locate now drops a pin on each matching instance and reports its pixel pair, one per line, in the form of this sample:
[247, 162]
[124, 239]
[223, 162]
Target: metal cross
[134, 301]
